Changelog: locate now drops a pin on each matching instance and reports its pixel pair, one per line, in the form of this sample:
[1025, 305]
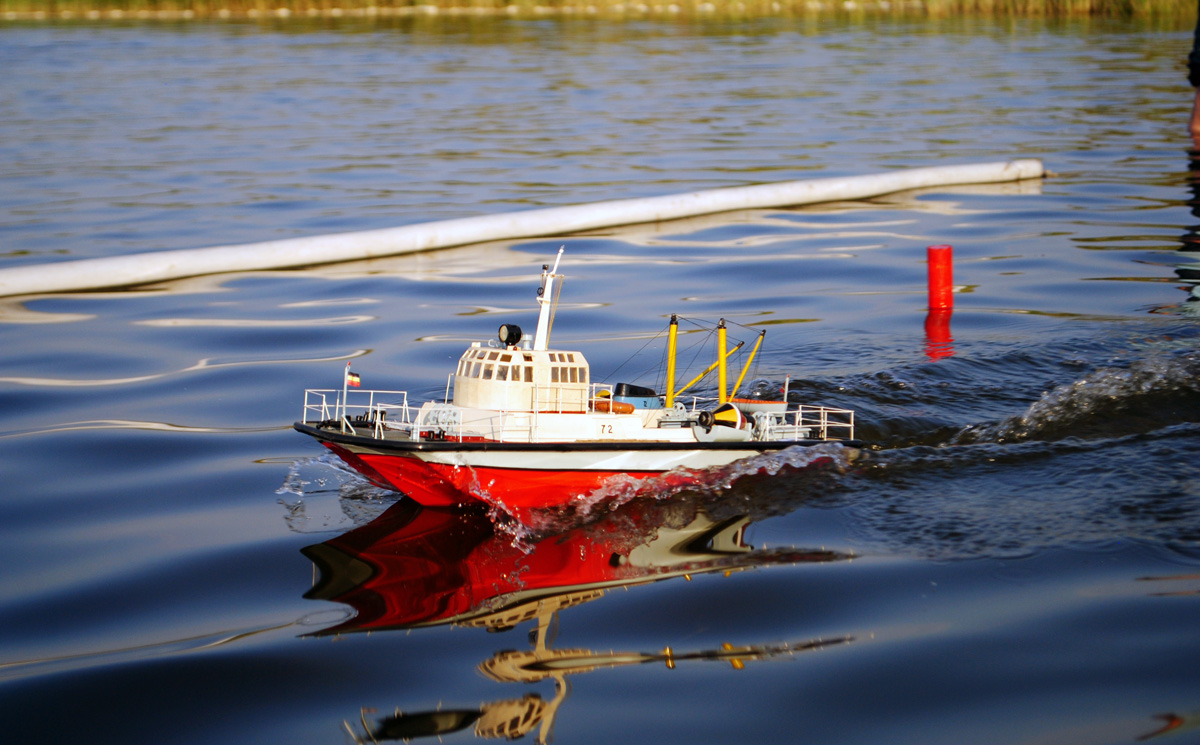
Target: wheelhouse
[514, 378]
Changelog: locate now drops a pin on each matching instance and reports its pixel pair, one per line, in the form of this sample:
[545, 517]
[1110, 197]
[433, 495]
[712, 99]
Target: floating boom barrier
[144, 268]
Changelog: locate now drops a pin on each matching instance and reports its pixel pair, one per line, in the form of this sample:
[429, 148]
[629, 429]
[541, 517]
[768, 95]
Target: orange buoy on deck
[605, 406]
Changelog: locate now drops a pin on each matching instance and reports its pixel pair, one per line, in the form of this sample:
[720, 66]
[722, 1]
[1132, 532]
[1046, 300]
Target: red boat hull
[526, 479]
[443, 485]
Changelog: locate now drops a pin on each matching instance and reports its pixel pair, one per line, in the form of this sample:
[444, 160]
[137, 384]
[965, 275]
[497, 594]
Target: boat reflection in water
[415, 566]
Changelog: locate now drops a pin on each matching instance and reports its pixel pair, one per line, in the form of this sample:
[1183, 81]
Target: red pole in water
[938, 342]
[941, 277]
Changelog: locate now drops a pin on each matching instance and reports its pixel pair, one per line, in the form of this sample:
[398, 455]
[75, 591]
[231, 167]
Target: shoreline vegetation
[281, 10]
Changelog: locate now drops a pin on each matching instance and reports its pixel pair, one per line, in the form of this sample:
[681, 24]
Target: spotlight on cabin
[510, 334]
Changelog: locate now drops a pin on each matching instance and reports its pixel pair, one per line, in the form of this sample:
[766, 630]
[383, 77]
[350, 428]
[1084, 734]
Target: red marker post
[941, 277]
[938, 342]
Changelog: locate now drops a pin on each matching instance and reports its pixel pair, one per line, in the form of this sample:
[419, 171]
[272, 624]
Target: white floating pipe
[138, 269]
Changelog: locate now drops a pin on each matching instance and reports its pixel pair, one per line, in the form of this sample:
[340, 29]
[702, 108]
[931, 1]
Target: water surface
[1016, 562]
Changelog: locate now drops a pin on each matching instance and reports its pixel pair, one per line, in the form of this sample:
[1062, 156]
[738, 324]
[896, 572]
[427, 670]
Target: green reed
[282, 9]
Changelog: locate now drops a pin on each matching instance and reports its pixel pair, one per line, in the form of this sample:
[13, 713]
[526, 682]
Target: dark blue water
[1017, 560]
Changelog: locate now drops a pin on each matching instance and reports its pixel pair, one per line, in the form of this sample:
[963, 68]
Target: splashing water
[698, 484]
[340, 500]
[1147, 395]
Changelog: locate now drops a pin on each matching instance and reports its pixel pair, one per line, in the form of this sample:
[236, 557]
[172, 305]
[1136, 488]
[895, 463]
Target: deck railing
[829, 423]
[377, 410]
[380, 412]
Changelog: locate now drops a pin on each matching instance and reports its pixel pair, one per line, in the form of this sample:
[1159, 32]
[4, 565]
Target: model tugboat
[524, 427]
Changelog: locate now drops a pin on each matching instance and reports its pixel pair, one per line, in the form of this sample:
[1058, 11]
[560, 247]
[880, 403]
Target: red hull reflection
[418, 566]
[415, 566]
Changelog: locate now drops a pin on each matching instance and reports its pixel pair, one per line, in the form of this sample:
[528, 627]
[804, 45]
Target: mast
[672, 336]
[722, 368]
[548, 300]
[746, 367]
[709, 369]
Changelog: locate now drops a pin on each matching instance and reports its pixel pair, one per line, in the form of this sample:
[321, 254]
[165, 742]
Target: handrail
[367, 408]
[324, 402]
[807, 415]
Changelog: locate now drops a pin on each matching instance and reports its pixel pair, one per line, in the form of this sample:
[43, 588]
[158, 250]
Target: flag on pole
[352, 378]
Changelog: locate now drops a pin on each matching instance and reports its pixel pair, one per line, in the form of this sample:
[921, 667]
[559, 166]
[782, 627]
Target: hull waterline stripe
[402, 447]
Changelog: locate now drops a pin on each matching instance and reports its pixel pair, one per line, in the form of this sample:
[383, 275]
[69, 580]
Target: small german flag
[352, 378]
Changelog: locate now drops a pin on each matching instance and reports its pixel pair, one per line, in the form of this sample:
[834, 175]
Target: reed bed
[175, 10]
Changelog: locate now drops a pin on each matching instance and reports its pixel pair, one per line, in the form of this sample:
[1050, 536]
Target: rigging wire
[696, 348]
[630, 358]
